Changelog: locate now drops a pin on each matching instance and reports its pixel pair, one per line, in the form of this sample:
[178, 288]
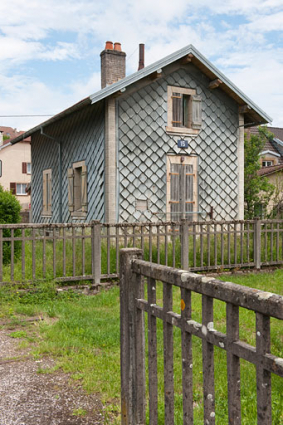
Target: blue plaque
[183, 144]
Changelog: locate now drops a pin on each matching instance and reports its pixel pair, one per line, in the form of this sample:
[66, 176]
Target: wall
[144, 144]
[12, 157]
[82, 136]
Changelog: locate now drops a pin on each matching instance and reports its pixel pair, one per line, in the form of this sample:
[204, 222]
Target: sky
[50, 49]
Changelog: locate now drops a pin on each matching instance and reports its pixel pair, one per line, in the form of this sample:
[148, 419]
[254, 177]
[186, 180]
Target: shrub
[9, 214]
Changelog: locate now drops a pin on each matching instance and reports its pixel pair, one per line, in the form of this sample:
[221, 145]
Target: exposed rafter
[215, 83]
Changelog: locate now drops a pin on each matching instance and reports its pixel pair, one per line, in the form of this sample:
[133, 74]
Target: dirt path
[31, 398]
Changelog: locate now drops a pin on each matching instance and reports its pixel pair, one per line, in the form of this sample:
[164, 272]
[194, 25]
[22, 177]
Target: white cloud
[49, 30]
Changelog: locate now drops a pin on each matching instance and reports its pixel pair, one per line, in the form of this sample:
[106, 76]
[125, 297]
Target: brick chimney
[113, 64]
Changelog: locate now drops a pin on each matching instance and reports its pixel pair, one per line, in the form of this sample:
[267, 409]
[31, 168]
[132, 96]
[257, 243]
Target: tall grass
[82, 334]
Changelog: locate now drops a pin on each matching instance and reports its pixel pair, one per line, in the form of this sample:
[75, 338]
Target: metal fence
[78, 251]
[134, 275]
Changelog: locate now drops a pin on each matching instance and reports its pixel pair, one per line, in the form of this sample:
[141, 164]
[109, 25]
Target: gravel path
[31, 398]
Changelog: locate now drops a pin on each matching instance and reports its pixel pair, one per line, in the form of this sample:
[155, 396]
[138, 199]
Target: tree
[9, 213]
[258, 190]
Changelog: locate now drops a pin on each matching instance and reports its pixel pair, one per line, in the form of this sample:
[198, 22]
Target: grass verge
[82, 334]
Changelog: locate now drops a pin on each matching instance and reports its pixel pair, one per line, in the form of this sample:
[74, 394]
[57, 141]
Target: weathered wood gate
[133, 306]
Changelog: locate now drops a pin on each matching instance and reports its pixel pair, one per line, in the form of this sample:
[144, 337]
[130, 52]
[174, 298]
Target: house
[166, 142]
[271, 162]
[15, 165]
[272, 153]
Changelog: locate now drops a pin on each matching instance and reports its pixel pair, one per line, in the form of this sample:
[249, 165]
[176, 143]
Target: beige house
[15, 167]
[274, 174]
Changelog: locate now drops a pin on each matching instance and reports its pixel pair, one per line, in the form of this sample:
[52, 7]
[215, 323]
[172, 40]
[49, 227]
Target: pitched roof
[254, 115]
[265, 171]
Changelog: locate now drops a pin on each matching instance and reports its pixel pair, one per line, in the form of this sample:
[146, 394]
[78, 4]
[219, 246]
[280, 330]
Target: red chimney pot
[109, 45]
[117, 46]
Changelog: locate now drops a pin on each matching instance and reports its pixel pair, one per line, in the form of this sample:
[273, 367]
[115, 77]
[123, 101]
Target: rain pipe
[60, 169]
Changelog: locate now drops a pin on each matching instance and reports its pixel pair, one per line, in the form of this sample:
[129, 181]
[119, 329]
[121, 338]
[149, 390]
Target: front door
[181, 187]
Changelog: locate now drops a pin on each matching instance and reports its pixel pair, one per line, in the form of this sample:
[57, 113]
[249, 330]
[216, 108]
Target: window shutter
[84, 188]
[13, 188]
[71, 189]
[196, 112]
[177, 110]
[49, 193]
[24, 167]
[44, 194]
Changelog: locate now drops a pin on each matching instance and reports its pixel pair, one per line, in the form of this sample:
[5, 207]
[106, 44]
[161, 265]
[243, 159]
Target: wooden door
[181, 188]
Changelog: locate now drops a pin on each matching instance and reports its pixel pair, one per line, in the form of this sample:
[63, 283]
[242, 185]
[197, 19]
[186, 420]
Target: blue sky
[50, 49]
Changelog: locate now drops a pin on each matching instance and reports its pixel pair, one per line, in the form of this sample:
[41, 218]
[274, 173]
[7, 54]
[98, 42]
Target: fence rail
[134, 305]
[90, 251]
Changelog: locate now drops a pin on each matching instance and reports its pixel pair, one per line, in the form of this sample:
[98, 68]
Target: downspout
[117, 163]
[60, 169]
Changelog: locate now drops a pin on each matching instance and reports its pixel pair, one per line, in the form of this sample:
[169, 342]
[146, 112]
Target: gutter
[55, 118]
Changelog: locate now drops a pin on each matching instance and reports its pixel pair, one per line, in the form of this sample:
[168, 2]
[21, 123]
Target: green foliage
[5, 137]
[9, 214]
[257, 189]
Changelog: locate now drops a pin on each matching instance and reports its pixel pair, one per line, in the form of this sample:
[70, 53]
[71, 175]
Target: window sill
[78, 214]
[21, 194]
[181, 130]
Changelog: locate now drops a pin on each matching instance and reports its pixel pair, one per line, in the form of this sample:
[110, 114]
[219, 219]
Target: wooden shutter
[71, 189]
[44, 194]
[49, 191]
[84, 188]
[13, 188]
[189, 191]
[24, 167]
[177, 110]
[175, 191]
[196, 112]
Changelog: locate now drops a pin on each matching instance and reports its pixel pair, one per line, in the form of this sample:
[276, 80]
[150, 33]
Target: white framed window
[21, 188]
[77, 189]
[47, 193]
[267, 163]
[184, 111]
[28, 168]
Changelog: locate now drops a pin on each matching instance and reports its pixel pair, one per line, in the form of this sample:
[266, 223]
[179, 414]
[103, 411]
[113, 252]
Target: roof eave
[55, 118]
[256, 116]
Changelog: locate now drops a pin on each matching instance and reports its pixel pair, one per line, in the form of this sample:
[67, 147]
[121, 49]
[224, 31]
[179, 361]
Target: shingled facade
[164, 143]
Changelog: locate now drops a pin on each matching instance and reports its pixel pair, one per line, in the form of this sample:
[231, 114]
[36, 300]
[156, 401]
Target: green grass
[82, 334]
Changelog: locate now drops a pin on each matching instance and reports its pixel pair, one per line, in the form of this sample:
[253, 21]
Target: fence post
[96, 251]
[132, 392]
[257, 243]
[184, 232]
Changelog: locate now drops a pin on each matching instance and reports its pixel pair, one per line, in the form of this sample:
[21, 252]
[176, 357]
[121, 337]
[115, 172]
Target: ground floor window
[181, 187]
[47, 192]
[77, 189]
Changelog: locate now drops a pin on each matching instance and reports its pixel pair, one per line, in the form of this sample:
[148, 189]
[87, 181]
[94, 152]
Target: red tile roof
[265, 171]
[12, 133]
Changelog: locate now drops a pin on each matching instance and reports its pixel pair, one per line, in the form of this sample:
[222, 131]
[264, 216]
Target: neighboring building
[15, 165]
[163, 143]
[274, 174]
[272, 153]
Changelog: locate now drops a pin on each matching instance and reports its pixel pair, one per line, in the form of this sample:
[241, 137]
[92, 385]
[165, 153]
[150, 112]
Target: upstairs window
[267, 163]
[26, 167]
[77, 189]
[184, 111]
[47, 193]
